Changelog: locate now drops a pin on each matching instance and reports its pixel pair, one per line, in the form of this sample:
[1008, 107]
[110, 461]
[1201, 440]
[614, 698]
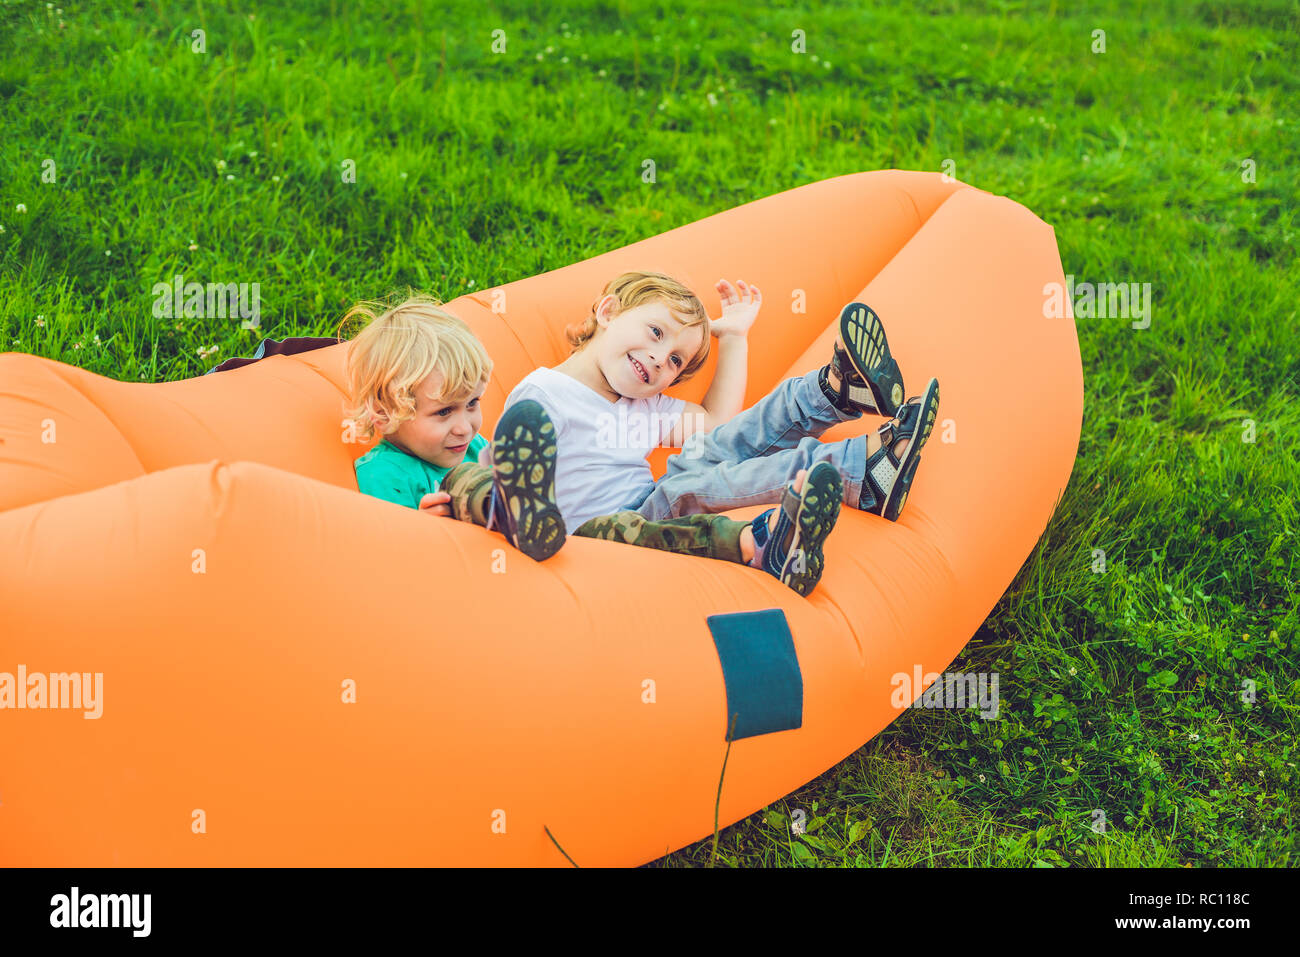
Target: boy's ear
[606, 310]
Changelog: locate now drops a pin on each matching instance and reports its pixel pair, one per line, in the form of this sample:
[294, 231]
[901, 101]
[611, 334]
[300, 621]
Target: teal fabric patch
[761, 671]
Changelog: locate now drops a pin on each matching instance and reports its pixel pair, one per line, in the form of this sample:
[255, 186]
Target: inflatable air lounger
[297, 674]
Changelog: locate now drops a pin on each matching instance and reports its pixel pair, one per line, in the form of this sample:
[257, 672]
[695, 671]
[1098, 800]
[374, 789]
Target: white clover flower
[97, 338]
[21, 208]
[229, 177]
[713, 100]
[2, 229]
[253, 155]
[539, 56]
[275, 179]
[193, 246]
[564, 59]
[550, 49]
[221, 164]
[108, 252]
[40, 321]
[600, 73]
[1073, 670]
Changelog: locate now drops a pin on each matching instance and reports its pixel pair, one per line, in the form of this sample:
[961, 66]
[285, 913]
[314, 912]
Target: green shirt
[395, 476]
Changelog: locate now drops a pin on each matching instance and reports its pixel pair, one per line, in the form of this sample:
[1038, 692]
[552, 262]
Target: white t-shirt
[600, 458]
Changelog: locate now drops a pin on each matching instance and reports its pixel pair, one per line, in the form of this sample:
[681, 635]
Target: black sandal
[889, 477]
[870, 380]
[523, 481]
[810, 514]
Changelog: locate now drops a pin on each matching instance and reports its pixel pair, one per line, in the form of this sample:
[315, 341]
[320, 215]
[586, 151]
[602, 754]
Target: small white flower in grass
[253, 155]
[826, 63]
[229, 177]
[814, 57]
[76, 345]
[97, 338]
[1073, 670]
[1194, 736]
[40, 321]
[221, 164]
[713, 100]
[193, 246]
[275, 179]
[600, 73]
[108, 252]
[539, 56]
[550, 49]
[981, 778]
[21, 208]
[402, 175]
[2, 229]
[564, 59]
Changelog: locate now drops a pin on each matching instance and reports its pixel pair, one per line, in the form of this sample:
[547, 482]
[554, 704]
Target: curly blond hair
[398, 348]
[636, 288]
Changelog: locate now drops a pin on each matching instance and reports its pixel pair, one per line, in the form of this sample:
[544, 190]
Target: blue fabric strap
[760, 670]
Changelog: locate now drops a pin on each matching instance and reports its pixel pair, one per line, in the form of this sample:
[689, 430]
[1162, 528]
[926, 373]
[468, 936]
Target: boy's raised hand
[739, 308]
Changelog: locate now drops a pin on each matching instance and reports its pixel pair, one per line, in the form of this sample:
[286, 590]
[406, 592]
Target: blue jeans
[752, 458]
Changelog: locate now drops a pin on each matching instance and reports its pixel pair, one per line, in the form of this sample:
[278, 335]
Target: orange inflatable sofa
[215, 651]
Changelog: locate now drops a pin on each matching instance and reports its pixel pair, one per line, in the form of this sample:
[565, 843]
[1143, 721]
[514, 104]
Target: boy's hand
[739, 308]
[436, 503]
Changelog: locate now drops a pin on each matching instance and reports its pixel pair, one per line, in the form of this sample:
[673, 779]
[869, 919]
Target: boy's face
[442, 428]
[642, 350]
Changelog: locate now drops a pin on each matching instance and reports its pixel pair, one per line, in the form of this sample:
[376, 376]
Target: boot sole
[868, 350]
[819, 509]
[523, 470]
[897, 497]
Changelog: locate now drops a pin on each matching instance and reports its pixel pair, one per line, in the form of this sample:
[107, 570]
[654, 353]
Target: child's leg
[861, 376]
[892, 454]
[706, 536]
[755, 481]
[517, 495]
[786, 542]
[470, 487]
[795, 409]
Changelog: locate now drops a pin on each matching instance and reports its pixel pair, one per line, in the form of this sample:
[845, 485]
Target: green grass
[1121, 689]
